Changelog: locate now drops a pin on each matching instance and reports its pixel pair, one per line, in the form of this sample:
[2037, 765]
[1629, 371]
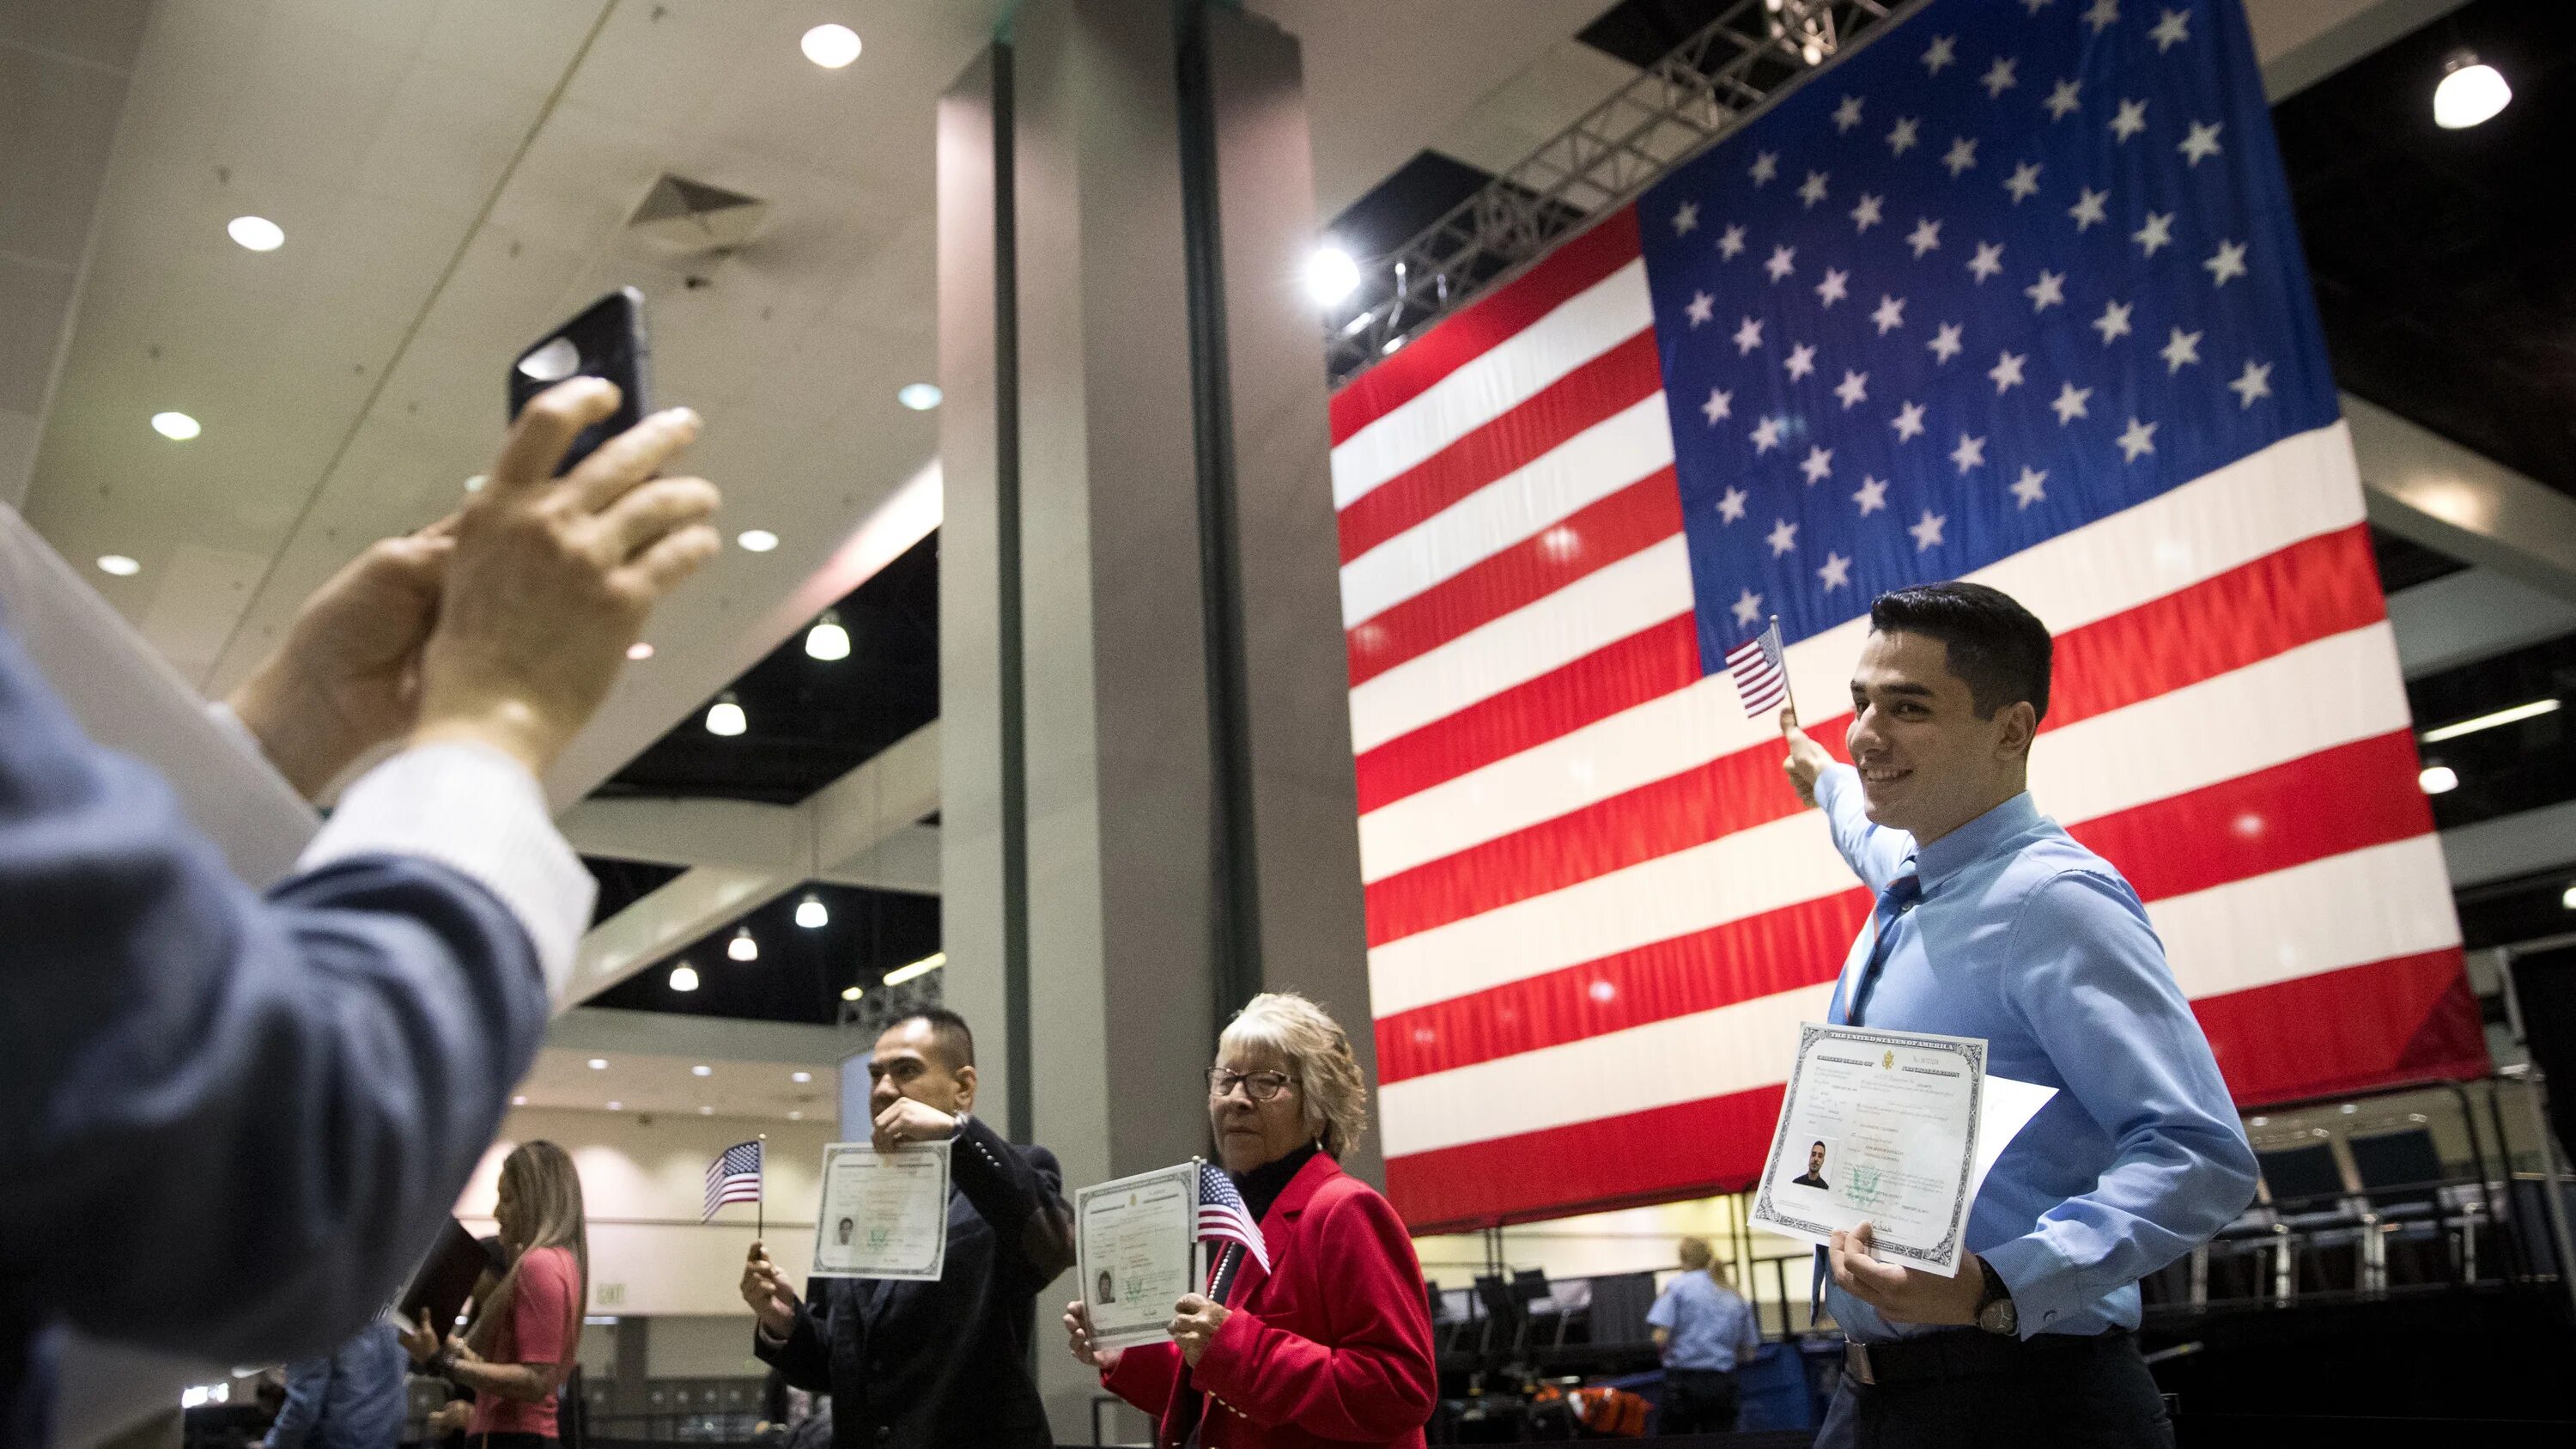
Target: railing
[1752, 53]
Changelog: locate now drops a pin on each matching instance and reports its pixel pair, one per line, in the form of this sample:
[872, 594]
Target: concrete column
[1126, 205]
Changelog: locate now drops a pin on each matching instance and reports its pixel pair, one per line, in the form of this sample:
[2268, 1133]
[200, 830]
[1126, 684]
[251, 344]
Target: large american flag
[733, 1177]
[2009, 293]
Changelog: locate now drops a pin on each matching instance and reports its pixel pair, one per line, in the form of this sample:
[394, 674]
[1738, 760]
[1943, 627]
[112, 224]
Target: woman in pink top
[522, 1346]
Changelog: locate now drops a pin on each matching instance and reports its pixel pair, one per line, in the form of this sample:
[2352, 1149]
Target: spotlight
[725, 716]
[256, 233]
[2568, 900]
[851, 993]
[177, 427]
[811, 913]
[831, 46]
[827, 640]
[756, 540]
[2471, 92]
[1331, 275]
[119, 565]
[684, 977]
[742, 947]
[921, 397]
[2438, 779]
[639, 651]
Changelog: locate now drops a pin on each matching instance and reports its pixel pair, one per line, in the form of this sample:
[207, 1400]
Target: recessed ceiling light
[256, 233]
[831, 46]
[518, 1101]
[178, 427]
[921, 397]
[706, 1111]
[639, 651]
[800, 1077]
[2438, 779]
[742, 947]
[1331, 275]
[616, 1106]
[119, 565]
[725, 716]
[795, 1116]
[756, 540]
[702, 1070]
[599, 1064]
[811, 913]
[827, 640]
[2470, 92]
[684, 977]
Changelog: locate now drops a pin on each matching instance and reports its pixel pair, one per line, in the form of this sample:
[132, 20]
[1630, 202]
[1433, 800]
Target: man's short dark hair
[955, 1038]
[1997, 647]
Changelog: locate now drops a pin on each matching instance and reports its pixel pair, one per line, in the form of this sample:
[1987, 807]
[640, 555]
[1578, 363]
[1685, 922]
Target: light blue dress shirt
[2036, 944]
[1711, 1324]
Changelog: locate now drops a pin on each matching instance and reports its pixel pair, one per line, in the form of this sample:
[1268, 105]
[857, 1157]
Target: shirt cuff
[477, 811]
[2038, 1277]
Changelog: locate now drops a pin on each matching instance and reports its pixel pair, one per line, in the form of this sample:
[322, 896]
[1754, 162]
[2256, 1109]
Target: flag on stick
[1223, 1218]
[733, 1177]
[1761, 670]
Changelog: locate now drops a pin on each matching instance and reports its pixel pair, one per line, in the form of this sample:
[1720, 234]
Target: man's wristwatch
[1995, 1310]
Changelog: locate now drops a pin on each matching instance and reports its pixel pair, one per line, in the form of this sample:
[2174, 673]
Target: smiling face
[1928, 764]
[1250, 1133]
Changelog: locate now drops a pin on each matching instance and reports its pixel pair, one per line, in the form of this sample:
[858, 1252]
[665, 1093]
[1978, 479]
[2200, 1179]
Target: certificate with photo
[1136, 1240]
[884, 1214]
[1878, 1127]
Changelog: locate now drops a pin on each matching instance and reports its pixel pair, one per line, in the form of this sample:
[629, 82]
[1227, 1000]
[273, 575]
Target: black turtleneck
[1262, 1185]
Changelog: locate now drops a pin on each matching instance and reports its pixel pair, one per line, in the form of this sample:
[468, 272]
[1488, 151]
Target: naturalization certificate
[884, 1214]
[1137, 1241]
[1878, 1127]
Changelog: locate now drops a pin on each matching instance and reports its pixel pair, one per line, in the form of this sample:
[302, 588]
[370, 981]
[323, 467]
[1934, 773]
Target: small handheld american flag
[733, 1177]
[1223, 1218]
[1760, 670]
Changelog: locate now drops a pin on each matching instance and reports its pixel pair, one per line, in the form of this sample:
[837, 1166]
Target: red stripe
[2177, 845]
[2308, 591]
[1573, 266]
[2363, 1026]
[1601, 388]
[1648, 664]
[1593, 537]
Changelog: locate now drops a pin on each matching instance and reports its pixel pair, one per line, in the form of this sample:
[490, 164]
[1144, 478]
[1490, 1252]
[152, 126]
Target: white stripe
[1509, 373]
[1584, 469]
[2296, 489]
[2315, 697]
[1645, 588]
[2347, 910]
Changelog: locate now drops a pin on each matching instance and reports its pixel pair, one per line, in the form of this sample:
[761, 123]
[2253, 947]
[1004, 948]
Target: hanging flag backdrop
[2012, 293]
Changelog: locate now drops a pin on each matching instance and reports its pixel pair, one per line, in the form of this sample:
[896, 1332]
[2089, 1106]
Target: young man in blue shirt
[1704, 1331]
[1993, 923]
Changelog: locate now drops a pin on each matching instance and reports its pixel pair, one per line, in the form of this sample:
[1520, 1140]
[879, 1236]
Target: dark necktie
[1893, 902]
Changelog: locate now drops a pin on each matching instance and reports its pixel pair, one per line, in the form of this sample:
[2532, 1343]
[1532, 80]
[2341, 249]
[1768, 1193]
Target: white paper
[884, 1214]
[2007, 1108]
[1135, 1245]
[1879, 1127]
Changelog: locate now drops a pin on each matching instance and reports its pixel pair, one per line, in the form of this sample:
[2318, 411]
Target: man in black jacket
[915, 1365]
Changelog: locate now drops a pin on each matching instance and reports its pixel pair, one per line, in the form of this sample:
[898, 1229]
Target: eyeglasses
[1259, 1086]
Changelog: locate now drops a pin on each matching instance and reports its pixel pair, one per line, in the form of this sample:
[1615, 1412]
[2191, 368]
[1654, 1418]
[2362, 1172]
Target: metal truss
[1753, 52]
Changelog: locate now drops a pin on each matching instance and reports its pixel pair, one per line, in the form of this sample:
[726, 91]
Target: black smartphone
[606, 340]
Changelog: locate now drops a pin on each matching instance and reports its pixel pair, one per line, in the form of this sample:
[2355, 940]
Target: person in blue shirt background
[351, 1398]
[1704, 1330]
[1992, 922]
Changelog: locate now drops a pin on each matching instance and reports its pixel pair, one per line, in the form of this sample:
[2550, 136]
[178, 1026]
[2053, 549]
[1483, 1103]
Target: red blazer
[1331, 1346]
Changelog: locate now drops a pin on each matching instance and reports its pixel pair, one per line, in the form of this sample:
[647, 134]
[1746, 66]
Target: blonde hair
[1318, 1053]
[542, 1179]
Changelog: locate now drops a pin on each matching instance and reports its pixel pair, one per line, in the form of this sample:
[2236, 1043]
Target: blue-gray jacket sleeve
[231, 1120]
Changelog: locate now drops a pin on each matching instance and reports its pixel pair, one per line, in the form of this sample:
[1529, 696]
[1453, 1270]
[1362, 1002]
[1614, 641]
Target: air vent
[691, 216]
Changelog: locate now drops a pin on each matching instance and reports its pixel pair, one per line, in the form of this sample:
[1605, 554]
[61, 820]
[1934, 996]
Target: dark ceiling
[813, 722]
[2440, 257]
[800, 972]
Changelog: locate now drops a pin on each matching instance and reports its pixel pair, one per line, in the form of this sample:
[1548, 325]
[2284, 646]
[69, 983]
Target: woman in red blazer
[1330, 1345]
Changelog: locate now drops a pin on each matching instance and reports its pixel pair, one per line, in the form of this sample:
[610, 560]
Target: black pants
[2091, 1393]
[1698, 1401]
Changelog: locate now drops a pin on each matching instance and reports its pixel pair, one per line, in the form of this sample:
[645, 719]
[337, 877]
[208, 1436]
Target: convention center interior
[1227, 723]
